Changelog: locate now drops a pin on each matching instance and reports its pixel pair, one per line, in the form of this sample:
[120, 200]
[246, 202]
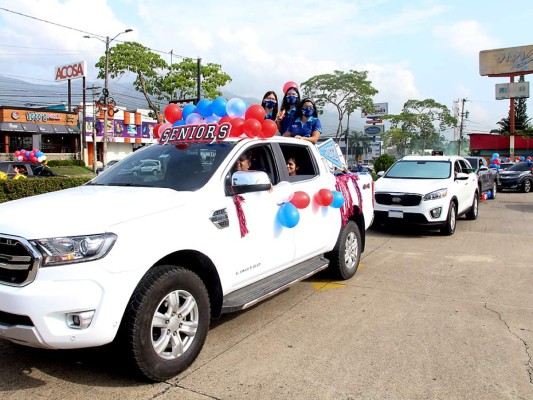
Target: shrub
[65, 163]
[11, 189]
[383, 162]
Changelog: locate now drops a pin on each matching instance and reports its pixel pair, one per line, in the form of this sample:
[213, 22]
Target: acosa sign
[71, 71]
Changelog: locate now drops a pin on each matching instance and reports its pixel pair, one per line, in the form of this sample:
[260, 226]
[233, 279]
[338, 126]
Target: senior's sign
[196, 133]
[511, 60]
[71, 71]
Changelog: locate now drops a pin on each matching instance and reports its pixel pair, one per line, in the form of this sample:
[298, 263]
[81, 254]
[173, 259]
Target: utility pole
[94, 94]
[463, 115]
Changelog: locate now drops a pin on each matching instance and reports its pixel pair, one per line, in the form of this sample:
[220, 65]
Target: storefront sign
[71, 71]
[510, 60]
[38, 117]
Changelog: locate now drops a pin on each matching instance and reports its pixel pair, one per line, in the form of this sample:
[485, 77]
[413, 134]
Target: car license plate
[395, 214]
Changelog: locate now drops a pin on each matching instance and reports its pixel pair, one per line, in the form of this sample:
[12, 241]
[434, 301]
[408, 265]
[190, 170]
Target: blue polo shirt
[287, 120]
[305, 129]
[270, 115]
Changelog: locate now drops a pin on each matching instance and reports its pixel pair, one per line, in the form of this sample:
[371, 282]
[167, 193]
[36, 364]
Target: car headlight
[437, 194]
[75, 249]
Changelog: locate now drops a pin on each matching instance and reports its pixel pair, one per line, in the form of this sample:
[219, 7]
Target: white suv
[430, 191]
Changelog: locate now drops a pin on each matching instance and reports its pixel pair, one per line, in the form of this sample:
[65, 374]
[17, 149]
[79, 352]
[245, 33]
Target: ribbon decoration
[238, 200]
[341, 185]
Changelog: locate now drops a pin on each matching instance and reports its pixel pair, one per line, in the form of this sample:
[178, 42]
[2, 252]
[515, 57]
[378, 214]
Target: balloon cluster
[495, 161]
[290, 202]
[34, 156]
[248, 120]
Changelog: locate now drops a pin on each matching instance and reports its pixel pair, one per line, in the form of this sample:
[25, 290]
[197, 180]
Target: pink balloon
[290, 84]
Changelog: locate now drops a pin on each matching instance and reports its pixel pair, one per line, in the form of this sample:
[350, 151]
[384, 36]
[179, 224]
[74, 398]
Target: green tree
[135, 58]
[154, 78]
[399, 138]
[424, 120]
[182, 79]
[383, 162]
[346, 91]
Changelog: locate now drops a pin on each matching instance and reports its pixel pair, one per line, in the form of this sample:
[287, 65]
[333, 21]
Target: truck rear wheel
[344, 258]
[166, 322]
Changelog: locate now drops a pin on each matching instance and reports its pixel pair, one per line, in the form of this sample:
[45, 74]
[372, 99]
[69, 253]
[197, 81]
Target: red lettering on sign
[71, 71]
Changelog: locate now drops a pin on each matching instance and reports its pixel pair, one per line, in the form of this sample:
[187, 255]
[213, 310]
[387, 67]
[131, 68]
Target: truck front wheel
[344, 258]
[166, 322]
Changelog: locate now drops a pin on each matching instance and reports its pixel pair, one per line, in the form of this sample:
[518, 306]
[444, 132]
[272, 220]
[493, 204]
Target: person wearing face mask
[270, 104]
[288, 109]
[306, 125]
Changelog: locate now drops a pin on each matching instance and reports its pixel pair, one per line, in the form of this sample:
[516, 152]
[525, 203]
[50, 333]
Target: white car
[430, 191]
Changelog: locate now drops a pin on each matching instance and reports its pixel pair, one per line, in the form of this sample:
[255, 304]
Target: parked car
[518, 176]
[148, 167]
[429, 191]
[505, 165]
[487, 177]
[31, 170]
[109, 165]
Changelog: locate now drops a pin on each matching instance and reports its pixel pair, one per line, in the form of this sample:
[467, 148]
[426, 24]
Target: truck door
[266, 247]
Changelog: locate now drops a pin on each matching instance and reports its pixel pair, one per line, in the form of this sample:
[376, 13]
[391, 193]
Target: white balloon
[283, 192]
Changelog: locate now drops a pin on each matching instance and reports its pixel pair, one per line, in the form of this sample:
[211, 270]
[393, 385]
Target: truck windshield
[414, 169]
[181, 167]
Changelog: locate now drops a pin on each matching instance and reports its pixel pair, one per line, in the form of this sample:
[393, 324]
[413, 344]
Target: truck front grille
[18, 261]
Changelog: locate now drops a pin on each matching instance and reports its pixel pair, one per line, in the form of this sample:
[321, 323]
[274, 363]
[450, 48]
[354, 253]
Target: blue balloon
[218, 106]
[495, 155]
[338, 199]
[236, 108]
[39, 154]
[204, 108]
[288, 215]
[179, 122]
[188, 110]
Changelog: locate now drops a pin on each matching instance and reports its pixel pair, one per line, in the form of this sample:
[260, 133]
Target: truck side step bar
[268, 287]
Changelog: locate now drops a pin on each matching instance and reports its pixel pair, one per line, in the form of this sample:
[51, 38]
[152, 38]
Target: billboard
[518, 90]
[380, 109]
[70, 71]
[511, 60]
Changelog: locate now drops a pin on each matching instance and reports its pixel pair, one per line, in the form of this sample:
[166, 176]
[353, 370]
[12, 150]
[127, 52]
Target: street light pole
[105, 92]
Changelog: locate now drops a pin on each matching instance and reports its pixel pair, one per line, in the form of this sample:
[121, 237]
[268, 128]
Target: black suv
[517, 176]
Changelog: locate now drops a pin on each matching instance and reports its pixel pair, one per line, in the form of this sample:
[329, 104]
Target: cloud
[466, 37]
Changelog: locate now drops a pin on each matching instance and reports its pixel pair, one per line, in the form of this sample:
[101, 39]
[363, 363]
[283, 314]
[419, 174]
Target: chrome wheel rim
[174, 324]
[350, 253]
[452, 218]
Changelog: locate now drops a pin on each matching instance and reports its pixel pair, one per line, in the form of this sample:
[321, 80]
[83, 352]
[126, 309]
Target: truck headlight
[437, 194]
[74, 249]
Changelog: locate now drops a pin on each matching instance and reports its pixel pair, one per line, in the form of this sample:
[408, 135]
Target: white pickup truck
[147, 260]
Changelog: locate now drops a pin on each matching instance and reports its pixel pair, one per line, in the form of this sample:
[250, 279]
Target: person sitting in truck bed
[306, 125]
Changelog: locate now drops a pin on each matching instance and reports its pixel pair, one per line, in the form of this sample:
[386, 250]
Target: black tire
[474, 209]
[345, 256]
[526, 186]
[451, 220]
[166, 322]
[493, 190]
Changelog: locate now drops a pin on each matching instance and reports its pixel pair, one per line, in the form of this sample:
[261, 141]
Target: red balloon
[255, 111]
[252, 127]
[324, 197]
[269, 128]
[226, 118]
[237, 127]
[17, 153]
[288, 85]
[173, 113]
[156, 131]
[300, 199]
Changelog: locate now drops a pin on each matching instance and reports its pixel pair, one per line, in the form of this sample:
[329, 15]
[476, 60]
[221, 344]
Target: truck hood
[84, 210]
[418, 186]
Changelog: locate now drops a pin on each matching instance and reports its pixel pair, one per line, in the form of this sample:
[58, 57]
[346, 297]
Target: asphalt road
[425, 317]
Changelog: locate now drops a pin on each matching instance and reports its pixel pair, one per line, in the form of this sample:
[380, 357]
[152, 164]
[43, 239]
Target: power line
[102, 37]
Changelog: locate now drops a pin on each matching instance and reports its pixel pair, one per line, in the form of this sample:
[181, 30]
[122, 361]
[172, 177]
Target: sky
[411, 49]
